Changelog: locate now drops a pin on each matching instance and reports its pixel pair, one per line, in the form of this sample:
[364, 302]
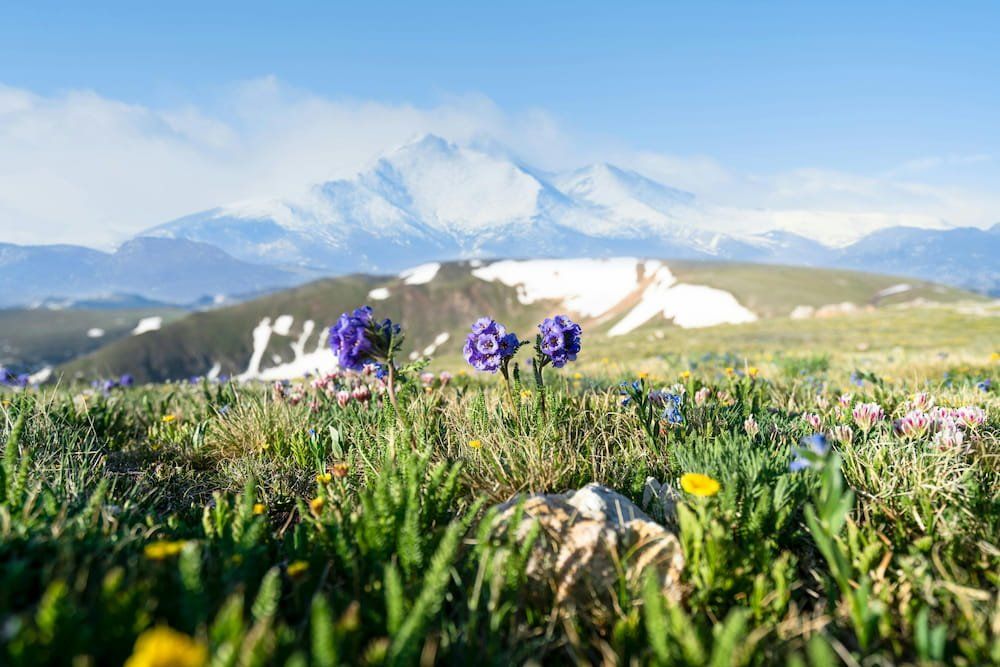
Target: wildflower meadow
[537, 504]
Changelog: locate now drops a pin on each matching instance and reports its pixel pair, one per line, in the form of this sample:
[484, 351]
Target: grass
[239, 525]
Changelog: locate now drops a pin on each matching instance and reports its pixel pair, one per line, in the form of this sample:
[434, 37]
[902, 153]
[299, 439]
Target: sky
[116, 116]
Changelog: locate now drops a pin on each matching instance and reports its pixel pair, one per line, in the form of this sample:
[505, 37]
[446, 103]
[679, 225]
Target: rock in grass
[590, 541]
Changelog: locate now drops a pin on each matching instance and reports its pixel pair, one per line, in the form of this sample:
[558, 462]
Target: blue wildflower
[489, 347]
[671, 404]
[126, 380]
[811, 450]
[559, 340]
[984, 385]
[358, 339]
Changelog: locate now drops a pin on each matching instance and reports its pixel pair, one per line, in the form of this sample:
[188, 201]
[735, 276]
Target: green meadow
[223, 524]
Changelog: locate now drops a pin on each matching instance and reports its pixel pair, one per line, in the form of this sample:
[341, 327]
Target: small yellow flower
[525, 394]
[476, 444]
[259, 508]
[317, 504]
[699, 485]
[340, 470]
[324, 478]
[730, 371]
[577, 376]
[5, 403]
[164, 647]
[685, 375]
[643, 375]
[166, 419]
[753, 371]
[297, 569]
[461, 372]
[995, 357]
[163, 549]
[605, 361]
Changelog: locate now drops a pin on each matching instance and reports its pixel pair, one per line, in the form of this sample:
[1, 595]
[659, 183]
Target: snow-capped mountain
[432, 199]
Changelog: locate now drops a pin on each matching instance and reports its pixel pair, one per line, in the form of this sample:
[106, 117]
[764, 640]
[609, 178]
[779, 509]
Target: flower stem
[539, 384]
[404, 420]
[510, 394]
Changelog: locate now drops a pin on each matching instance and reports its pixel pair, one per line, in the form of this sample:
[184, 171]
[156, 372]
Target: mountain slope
[168, 270]
[283, 334]
[964, 256]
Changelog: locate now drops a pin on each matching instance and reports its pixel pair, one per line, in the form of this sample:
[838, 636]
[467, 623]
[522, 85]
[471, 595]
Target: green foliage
[278, 532]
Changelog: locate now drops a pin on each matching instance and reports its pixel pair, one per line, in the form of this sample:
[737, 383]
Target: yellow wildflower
[605, 361]
[730, 370]
[259, 508]
[163, 549]
[643, 375]
[476, 444]
[525, 394]
[753, 371]
[297, 569]
[340, 470]
[166, 419]
[699, 485]
[685, 375]
[317, 504]
[164, 647]
[995, 357]
[324, 478]
[577, 376]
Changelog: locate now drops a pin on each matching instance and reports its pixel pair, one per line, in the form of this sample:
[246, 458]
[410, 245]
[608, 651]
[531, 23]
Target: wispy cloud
[82, 168]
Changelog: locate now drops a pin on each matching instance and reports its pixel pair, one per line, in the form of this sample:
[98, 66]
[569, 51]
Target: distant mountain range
[432, 200]
[176, 271]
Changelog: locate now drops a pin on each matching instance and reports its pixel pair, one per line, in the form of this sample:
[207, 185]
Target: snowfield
[595, 288]
[420, 275]
[147, 324]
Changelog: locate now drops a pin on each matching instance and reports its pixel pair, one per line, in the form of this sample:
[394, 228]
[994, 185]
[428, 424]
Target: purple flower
[358, 339]
[126, 380]
[559, 340]
[489, 346]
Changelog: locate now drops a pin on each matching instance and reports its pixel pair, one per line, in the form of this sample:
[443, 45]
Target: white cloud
[81, 168]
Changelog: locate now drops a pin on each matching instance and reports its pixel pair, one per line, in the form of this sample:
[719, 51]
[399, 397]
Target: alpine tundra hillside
[283, 335]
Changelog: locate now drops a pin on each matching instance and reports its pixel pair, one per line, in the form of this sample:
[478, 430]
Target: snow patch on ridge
[420, 275]
[147, 324]
[590, 287]
[594, 287]
[318, 361]
[689, 306]
[895, 289]
[283, 325]
[440, 340]
[379, 294]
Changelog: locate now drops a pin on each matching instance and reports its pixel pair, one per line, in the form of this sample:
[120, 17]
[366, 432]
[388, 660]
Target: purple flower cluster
[11, 379]
[107, 386]
[358, 340]
[350, 340]
[489, 345]
[559, 340]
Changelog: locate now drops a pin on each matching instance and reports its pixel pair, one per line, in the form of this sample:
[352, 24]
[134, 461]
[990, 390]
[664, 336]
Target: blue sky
[874, 89]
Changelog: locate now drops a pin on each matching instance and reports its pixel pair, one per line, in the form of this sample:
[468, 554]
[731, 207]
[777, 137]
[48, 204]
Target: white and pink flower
[915, 424]
[866, 415]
